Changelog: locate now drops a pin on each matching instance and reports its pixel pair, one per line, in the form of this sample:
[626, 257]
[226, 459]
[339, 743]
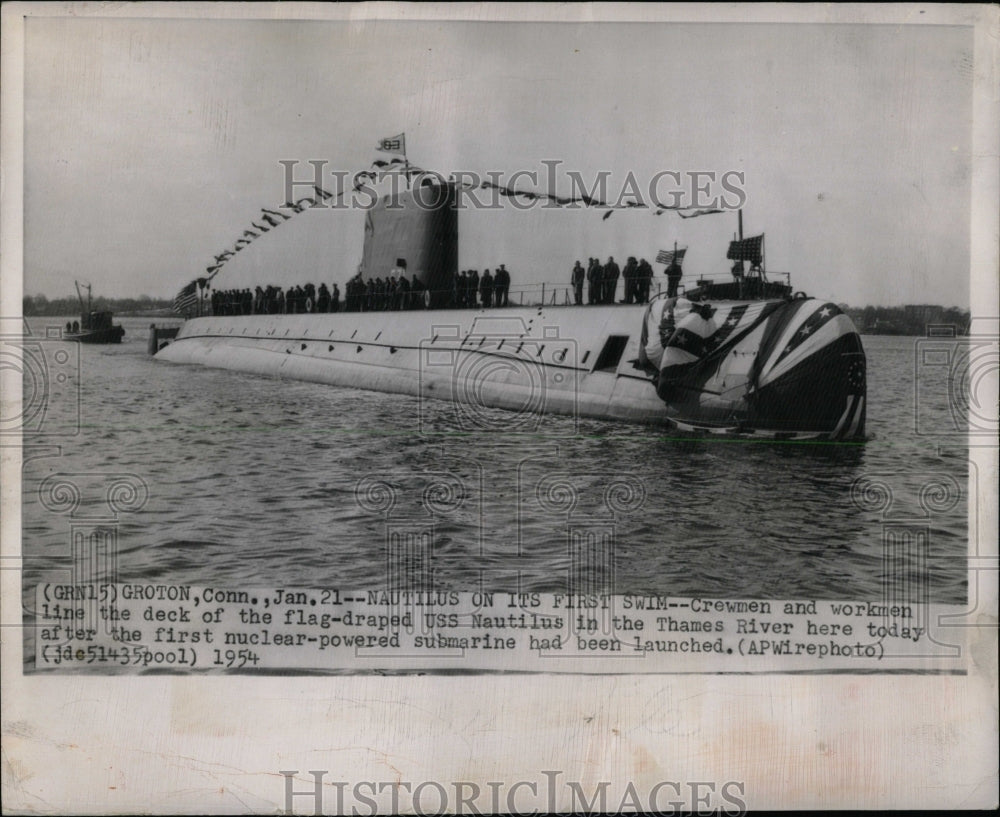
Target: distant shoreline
[75, 316]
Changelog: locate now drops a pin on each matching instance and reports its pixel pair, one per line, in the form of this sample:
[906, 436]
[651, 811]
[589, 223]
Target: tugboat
[744, 358]
[94, 327]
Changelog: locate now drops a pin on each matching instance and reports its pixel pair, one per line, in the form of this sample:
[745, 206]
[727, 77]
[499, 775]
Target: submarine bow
[793, 366]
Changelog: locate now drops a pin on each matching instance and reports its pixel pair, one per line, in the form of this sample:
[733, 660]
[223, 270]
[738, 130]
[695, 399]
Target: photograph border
[226, 744]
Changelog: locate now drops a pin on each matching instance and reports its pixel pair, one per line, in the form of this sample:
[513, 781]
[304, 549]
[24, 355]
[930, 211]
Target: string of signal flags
[270, 218]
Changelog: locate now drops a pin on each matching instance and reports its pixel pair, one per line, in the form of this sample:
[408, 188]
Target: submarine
[743, 358]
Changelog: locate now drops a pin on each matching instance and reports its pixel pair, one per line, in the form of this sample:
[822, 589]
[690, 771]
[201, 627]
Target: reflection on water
[252, 481]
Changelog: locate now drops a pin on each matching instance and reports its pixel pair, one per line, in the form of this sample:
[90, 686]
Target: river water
[230, 480]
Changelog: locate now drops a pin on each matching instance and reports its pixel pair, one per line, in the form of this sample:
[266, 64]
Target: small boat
[94, 326]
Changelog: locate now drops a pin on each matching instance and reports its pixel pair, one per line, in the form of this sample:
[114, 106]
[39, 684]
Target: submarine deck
[575, 360]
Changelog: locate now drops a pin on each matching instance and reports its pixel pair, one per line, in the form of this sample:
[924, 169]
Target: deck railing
[546, 293]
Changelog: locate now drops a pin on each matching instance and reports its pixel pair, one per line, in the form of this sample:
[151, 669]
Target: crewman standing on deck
[578, 276]
[644, 281]
[673, 278]
[595, 281]
[473, 287]
[486, 289]
[501, 285]
[739, 275]
[610, 278]
[631, 276]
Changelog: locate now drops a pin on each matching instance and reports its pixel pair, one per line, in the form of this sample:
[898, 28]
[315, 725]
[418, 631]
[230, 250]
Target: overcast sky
[150, 145]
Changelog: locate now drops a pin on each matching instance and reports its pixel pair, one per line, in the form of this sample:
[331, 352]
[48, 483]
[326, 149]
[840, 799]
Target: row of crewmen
[467, 289]
[395, 291]
[602, 280]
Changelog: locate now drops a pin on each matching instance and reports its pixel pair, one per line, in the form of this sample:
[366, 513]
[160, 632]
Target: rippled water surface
[238, 481]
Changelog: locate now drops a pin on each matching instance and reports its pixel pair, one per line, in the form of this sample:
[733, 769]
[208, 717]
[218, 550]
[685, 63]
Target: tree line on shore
[41, 306]
[912, 319]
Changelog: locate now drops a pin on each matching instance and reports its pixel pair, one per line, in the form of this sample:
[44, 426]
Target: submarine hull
[532, 361]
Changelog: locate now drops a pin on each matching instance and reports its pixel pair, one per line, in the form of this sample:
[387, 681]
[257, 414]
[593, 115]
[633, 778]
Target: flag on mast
[749, 249]
[393, 144]
[669, 256]
[187, 298]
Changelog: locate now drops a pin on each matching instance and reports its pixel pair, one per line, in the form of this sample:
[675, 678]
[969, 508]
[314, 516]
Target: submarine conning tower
[419, 226]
